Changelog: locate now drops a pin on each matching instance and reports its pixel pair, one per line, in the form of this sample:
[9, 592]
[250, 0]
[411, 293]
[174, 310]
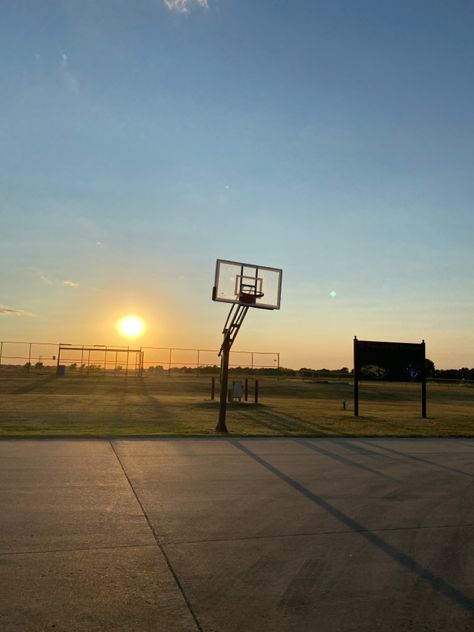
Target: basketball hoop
[242, 285]
[247, 285]
[249, 298]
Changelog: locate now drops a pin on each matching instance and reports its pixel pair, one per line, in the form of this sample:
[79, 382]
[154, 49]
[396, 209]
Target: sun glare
[131, 326]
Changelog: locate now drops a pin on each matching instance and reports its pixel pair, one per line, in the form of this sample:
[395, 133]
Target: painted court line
[159, 545]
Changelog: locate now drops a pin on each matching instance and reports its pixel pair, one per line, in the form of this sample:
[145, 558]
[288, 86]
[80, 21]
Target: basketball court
[227, 534]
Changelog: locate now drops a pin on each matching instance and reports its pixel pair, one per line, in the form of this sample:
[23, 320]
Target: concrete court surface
[222, 535]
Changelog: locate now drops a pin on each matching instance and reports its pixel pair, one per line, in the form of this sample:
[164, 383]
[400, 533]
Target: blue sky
[142, 140]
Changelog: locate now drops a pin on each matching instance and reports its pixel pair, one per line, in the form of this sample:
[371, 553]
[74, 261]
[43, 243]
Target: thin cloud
[47, 280]
[68, 77]
[11, 311]
[182, 6]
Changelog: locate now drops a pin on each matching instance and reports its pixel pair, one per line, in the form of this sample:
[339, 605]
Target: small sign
[237, 389]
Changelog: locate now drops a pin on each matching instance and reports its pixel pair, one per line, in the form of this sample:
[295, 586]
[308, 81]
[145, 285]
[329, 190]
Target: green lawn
[43, 405]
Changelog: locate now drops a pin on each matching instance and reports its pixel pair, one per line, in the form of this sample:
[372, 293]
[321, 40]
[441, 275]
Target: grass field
[43, 405]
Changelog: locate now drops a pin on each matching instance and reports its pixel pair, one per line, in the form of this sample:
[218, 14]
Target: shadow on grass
[161, 411]
[282, 424]
[260, 414]
[235, 406]
[28, 388]
[265, 416]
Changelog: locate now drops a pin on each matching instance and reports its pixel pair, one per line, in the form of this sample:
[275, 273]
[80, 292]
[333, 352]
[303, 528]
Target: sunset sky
[142, 140]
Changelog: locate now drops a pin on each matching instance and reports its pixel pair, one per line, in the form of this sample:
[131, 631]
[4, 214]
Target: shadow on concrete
[418, 459]
[435, 581]
[356, 449]
[469, 443]
[341, 459]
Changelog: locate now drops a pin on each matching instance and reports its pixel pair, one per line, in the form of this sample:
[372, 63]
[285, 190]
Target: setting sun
[131, 326]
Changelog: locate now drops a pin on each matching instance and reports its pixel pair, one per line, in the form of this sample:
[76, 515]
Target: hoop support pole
[232, 326]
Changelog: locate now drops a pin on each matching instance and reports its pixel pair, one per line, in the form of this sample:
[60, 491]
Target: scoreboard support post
[423, 381]
[356, 379]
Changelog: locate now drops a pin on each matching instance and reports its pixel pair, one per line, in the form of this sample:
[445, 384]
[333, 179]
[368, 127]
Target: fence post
[256, 391]
[213, 388]
[59, 359]
[246, 392]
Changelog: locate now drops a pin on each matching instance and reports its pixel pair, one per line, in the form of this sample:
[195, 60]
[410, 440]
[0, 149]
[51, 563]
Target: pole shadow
[435, 581]
[418, 459]
[281, 423]
[341, 459]
[28, 388]
[152, 402]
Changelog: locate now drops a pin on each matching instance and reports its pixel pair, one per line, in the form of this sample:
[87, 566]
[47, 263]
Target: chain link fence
[46, 357]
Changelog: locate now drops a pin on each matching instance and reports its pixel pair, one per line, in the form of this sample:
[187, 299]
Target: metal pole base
[221, 425]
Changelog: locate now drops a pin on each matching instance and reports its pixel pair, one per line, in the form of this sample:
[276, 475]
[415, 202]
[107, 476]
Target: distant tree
[27, 365]
[73, 367]
[429, 368]
[39, 365]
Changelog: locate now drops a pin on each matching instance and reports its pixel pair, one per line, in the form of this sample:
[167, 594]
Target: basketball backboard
[247, 284]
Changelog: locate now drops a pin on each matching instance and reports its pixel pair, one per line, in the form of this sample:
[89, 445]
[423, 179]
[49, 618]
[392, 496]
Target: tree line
[463, 374]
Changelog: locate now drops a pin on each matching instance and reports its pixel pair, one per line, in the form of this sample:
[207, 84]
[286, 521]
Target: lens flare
[131, 326]
[333, 294]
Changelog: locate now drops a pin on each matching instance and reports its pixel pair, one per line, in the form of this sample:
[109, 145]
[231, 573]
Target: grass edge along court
[101, 406]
